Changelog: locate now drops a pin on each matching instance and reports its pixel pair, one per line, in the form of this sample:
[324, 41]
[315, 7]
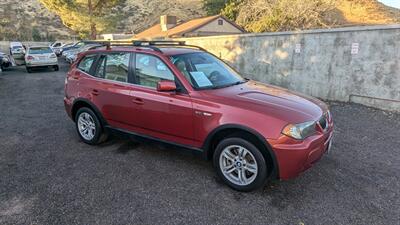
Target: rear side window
[150, 70]
[114, 66]
[86, 63]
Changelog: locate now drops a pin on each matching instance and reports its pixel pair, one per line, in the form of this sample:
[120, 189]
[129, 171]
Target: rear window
[86, 63]
[41, 50]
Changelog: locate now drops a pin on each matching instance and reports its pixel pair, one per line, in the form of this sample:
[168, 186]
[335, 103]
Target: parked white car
[17, 50]
[56, 44]
[16, 47]
[40, 56]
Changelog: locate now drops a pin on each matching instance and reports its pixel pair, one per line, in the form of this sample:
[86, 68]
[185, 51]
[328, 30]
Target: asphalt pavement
[48, 176]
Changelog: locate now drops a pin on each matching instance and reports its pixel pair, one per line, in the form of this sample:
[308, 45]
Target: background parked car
[59, 50]
[72, 55]
[5, 61]
[66, 49]
[40, 56]
[17, 51]
[56, 44]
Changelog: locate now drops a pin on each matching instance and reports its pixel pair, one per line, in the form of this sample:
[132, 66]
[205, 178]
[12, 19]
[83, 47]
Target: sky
[392, 3]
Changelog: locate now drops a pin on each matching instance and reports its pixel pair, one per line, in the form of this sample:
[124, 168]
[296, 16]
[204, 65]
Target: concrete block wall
[352, 64]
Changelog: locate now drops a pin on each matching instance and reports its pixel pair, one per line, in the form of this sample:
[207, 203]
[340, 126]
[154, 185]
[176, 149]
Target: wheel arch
[236, 130]
[82, 102]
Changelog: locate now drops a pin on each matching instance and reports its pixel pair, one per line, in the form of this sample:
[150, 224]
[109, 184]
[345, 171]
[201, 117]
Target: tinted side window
[115, 66]
[150, 70]
[86, 63]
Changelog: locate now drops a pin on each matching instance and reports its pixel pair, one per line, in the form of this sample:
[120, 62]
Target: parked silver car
[40, 56]
[72, 55]
[59, 50]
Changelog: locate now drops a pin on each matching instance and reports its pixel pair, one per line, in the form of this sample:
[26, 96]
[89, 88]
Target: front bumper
[294, 156]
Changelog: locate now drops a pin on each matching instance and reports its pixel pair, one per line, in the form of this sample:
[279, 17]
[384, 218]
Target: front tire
[28, 69]
[240, 164]
[56, 68]
[89, 127]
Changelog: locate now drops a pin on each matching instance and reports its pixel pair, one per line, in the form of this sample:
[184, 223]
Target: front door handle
[138, 101]
[95, 92]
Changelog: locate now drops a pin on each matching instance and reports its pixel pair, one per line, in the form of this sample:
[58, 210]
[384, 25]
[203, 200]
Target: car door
[110, 90]
[167, 114]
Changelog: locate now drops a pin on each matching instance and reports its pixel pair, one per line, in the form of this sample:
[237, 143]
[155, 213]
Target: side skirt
[145, 138]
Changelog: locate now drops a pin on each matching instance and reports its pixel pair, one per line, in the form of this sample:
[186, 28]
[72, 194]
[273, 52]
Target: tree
[231, 9]
[36, 34]
[86, 17]
[213, 7]
[228, 8]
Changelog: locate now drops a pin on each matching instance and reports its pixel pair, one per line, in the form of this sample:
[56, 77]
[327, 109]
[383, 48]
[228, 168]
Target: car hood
[272, 100]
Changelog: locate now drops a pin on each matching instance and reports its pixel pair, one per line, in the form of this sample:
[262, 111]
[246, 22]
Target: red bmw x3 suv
[184, 96]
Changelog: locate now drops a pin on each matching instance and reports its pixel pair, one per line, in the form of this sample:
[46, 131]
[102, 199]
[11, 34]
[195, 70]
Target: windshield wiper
[229, 85]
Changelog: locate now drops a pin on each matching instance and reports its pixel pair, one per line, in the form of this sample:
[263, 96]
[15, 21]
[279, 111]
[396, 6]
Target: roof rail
[108, 44]
[141, 43]
[146, 44]
[165, 43]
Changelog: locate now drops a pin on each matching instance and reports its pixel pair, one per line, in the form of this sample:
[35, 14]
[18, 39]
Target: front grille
[323, 122]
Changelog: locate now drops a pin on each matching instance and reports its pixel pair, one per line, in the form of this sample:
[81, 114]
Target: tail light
[29, 57]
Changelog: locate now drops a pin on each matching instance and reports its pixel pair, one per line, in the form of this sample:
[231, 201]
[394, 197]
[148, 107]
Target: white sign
[201, 79]
[354, 48]
[297, 48]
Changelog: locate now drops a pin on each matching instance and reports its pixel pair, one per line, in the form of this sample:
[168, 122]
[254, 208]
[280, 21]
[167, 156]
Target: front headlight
[300, 131]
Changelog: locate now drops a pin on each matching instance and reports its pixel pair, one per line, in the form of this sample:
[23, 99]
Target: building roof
[155, 31]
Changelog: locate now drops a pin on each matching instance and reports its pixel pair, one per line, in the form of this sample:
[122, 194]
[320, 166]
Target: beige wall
[355, 64]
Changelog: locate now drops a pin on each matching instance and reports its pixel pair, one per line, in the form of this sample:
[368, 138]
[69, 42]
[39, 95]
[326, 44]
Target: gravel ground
[48, 176]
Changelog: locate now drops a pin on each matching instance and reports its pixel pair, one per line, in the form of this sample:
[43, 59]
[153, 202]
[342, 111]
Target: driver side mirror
[166, 85]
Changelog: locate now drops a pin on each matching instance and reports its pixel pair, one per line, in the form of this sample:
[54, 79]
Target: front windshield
[205, 71]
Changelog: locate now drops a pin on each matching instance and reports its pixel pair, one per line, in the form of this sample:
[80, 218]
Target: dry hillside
[140, 14]
[365, 12]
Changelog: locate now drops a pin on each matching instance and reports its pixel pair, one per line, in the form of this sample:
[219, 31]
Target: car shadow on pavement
[127, 146]
[41, 70]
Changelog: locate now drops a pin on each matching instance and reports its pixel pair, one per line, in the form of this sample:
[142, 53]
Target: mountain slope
[31, 21]
[17, 20]
[359, 12]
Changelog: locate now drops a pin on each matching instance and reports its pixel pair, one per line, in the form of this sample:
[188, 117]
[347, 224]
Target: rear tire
[29, 70]
[89, 127]
[240, 164]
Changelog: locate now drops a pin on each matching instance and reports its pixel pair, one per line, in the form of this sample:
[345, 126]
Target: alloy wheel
[86, 126]
[238, 165]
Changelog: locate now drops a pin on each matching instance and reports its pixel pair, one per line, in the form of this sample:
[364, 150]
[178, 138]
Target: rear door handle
[95, 92]
[138, 101]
